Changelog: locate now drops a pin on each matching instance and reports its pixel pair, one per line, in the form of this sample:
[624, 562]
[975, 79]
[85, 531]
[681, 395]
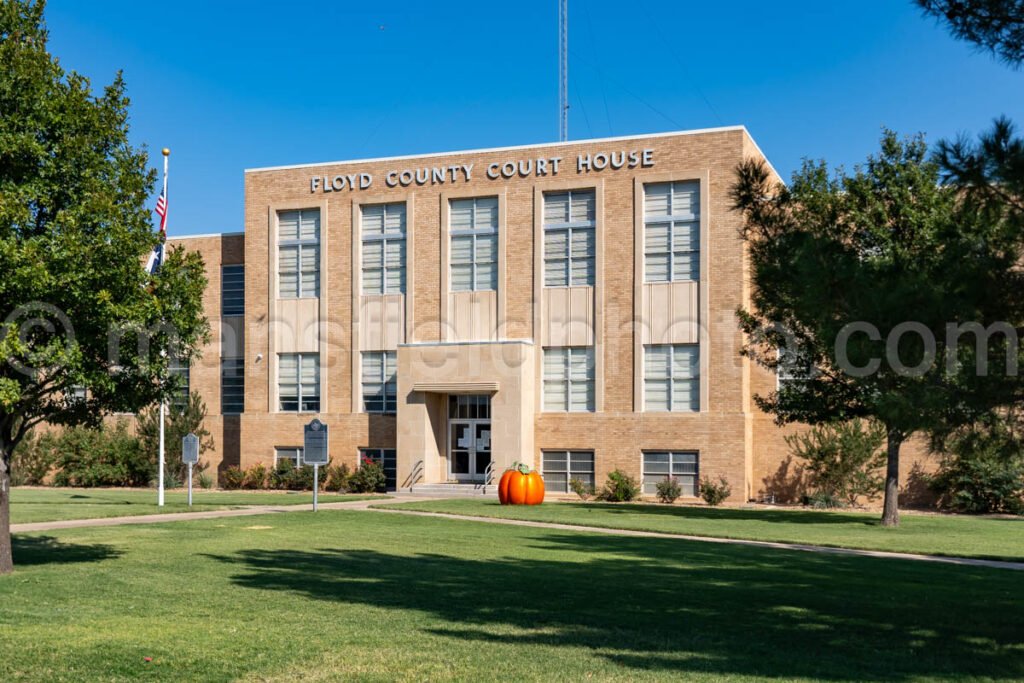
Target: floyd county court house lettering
[542, 166]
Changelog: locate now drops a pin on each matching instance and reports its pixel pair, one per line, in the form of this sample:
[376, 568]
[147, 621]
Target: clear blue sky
[235, 85]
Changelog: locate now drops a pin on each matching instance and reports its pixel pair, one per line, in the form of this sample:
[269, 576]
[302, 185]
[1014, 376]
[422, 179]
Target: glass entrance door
[482, 448]
[469, 449]
[469, 436]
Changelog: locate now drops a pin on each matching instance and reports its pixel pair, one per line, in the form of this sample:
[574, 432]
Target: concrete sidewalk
[206, 514]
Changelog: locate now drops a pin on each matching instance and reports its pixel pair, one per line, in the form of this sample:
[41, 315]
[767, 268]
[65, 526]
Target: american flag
[161, 210]
[157, 256]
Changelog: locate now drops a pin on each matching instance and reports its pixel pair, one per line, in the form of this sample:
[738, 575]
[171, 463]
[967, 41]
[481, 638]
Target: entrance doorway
[469, 437]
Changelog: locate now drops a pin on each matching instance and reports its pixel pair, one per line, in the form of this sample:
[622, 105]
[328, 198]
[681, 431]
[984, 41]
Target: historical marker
[190, 456]
[314, 453]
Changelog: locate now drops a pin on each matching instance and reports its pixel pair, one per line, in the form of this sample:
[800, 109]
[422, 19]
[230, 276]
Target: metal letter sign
[315, 451]
[190, 456]
[190, 449]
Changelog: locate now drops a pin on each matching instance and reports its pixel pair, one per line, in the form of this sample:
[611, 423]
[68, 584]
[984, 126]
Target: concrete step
[447, 489]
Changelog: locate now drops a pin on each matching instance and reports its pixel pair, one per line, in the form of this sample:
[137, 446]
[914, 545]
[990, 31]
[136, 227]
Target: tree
[843, 460]
[180, 420]
[994, 25]
[85, 329]
[982, 469]
[858, 277]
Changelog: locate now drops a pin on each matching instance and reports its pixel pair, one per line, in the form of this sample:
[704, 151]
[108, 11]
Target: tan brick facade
[732, 437]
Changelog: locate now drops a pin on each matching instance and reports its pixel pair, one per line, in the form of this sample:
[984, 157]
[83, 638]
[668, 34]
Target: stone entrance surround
[429, 372]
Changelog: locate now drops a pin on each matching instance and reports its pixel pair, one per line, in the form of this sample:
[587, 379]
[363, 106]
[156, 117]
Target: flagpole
[163, 403]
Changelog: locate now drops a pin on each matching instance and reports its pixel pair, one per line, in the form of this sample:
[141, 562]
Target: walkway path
[369, 505]
[206, 514]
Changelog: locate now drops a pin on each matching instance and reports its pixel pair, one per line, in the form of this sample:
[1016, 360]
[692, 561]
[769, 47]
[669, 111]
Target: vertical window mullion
[569, 381]
[473, 264]
[671, 378]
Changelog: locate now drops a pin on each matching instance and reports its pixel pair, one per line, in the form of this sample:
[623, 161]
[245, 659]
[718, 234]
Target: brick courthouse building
[570, 306]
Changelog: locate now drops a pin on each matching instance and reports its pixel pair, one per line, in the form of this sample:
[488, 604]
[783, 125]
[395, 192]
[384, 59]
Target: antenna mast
[563, 70]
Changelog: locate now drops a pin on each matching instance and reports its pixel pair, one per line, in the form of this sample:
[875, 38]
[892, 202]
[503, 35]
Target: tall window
[232, 290]
[380, 381]
[672, 232]
[385, 457]
[569, 379]
[672, 377]
[560, 467]
[299, 382]
[474, 239]
[298, 234]
[383, 228]
[569, 238]
[660, 465]
[179, 372]
[232, 386]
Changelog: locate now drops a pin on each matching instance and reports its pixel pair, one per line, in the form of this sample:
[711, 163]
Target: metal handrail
[489, 473]
[415, 475]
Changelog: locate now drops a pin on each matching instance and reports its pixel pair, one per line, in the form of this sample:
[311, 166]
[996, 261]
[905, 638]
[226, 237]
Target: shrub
[619, 488]
[844, 461]
[668, 490]
[179, 421]
[232, 478]
[983, 471]
[369, 478]
[100, 457]
[286, 476]
[255, 477]
[32, 460]
[584, 491]
[205, 481]
[714, 493]
[338, 478]
[823, 501]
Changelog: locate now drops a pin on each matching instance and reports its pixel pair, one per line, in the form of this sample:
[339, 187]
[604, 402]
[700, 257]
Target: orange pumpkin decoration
[520, 485]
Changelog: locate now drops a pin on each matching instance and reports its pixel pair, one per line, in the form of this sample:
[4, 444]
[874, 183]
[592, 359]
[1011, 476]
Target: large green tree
[993, 25]
[84, 329]
[872, 282]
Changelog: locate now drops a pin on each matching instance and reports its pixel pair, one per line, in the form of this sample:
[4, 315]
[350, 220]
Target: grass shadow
[679, 608]
[37, 550]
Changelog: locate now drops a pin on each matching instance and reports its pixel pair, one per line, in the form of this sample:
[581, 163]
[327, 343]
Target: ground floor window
[386, 458]
[292, 454]
[560, 467]
[660, 465]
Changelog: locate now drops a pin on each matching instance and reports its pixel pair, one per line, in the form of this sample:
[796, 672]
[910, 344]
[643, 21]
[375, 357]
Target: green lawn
[350, 595]
[959, 536]
[50, 505]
